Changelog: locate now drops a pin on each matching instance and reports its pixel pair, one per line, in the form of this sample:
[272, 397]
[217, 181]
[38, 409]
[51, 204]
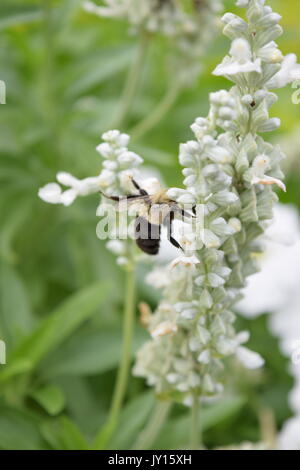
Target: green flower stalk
[229, 175]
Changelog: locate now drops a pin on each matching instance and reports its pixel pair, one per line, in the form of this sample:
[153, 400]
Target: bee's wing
[131, 203]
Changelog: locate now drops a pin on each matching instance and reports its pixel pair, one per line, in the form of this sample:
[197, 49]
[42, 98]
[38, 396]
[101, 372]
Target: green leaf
[50, 397]
[174, 433]
[63, 434]
[132, 419]
[95, 70]
[88, 353]
[19, 431]
[16, 317]
[56, 327]
[71, 436]
[87, 407]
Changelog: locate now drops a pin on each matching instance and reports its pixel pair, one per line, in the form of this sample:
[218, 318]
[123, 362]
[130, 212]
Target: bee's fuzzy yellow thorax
[160, 197]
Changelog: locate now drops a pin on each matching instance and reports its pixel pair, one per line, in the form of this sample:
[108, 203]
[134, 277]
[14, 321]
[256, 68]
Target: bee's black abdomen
[147, 236]
[151, 247]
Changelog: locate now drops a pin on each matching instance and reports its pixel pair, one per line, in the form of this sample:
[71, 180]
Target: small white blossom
[289, 437]
[289, 72]
[249, 359]
[163, 329]
[240, 60]
[260, 165]
[186, 261]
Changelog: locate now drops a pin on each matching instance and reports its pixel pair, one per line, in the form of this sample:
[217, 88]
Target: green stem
[132, 81]
[148, 435]
[154, 118]
[103, 437]
[196, 439]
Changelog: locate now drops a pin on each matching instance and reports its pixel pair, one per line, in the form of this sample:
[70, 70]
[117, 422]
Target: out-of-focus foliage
[61, 293]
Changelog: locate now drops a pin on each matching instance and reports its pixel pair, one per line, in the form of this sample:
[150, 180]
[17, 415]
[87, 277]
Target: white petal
[66, 179]
[51, 193]
[68, 197]
[186, 261]
[269, 180]
[233, 67]
[240, 50]
[242, 337]
[164, 329]
[289, 72]
[248, 358]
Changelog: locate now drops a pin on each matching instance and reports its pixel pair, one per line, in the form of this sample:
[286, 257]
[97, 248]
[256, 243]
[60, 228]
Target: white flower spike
[229, 172]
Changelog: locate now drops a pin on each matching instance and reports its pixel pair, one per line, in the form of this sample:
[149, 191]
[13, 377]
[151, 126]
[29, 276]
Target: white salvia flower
[260, 165]
[270, 53]
[249, 359]
[119, 166]
[190, 32]
[289, 72]
[276, 287]
[53, 193]
[240, 60]
[116, 247]
[289, 437]
[163, 329]
[158, 277]
[187, 261]
[275, 290]
[228, 179]
[242, 3]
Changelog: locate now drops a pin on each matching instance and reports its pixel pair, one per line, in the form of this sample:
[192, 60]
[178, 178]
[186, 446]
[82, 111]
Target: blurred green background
[61, 291]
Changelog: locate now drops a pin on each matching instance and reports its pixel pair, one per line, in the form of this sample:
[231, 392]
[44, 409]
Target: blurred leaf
[85, 406]
[63, 434]
[92, 71]
[57, 327]
[50, 397]
[133, 417]
[16, 318]
[89, 353]
[19, 212]
[174, 433]
[19, 431]
[13, 15]
[71, 436]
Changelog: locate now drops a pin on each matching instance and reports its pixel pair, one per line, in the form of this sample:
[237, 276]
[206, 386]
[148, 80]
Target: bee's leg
[140, 190]
[169, 223]
[120, 198]
[186, 214]
[175, 243]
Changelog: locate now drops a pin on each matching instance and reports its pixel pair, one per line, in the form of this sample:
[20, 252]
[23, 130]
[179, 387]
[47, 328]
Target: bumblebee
[153, 211]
